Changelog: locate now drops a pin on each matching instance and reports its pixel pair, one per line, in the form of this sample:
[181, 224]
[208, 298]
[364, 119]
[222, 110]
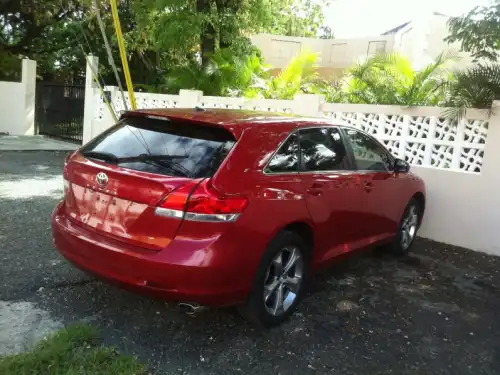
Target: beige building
[421, 40]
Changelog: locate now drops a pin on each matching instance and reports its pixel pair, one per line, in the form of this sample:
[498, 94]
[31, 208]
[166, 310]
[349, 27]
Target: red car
[229, 207]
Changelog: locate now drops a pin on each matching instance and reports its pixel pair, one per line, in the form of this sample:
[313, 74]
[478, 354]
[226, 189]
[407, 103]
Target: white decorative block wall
[421, 135]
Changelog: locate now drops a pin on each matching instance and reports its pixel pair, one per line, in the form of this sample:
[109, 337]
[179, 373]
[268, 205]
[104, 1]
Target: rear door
[332, 189]
[115, 182]
[380, 185]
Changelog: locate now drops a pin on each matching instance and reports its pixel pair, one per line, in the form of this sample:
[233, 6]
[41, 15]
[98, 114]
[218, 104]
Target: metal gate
[59, 110]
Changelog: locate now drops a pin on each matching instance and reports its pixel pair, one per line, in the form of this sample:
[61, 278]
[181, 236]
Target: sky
[357, 18]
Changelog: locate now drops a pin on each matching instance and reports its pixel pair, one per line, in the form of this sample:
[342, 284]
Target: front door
[380, 186]
[332, 190]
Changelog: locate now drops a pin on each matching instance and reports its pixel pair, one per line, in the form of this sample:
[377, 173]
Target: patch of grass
[75, 350]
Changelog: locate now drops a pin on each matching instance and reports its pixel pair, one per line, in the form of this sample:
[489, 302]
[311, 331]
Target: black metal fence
[59, 110]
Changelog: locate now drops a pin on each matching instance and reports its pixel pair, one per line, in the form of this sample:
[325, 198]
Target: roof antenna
[199, 109]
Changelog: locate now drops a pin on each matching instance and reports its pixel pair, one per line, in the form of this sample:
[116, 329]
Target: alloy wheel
[283, 280]
[409, 227]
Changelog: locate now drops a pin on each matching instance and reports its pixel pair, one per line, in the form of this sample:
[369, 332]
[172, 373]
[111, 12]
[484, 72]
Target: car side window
[322, 149]
[368, 154]
[286, 158]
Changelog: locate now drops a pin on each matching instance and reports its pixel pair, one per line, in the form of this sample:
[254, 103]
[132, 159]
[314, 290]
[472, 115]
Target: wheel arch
[304, 230]
[419, 197]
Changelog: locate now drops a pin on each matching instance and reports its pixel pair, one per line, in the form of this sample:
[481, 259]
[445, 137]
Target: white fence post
[308, 105]
[189, 98]
[89, 109]
[29, 88]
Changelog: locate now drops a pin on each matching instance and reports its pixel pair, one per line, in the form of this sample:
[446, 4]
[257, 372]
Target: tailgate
[125, 207]
[115, 182]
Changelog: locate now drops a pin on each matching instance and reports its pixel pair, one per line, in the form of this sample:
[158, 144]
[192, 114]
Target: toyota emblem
[102, 179]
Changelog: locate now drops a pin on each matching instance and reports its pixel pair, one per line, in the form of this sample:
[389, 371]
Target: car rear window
[190, 150]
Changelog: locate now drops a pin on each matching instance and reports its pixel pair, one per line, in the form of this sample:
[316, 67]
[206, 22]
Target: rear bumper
[187, 270]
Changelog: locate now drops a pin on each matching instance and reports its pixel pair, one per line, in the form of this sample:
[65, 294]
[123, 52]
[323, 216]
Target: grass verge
[75, 350]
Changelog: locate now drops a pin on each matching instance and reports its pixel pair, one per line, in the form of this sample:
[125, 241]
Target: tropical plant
[391, 79]
[475, 87]
[299, 76]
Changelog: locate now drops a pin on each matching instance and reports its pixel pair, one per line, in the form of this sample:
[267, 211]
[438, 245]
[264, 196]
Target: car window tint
[368, 154]
[322, 149]
[286, 158]
[190, 149]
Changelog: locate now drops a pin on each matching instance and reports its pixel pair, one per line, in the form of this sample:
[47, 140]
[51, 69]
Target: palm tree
[299, 76]
[391, 79]
[475, 87]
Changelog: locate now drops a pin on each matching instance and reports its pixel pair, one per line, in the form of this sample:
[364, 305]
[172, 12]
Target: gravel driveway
[435, 312]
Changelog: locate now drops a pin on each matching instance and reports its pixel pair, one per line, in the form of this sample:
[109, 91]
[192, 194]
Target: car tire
[276, 291]
[407, 229]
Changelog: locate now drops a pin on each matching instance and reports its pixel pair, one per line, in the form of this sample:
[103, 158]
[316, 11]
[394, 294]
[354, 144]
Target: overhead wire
[97, 77]
[111, 60]
[123, 53]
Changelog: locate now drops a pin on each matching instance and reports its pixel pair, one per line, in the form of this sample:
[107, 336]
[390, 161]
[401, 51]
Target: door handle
[315, 190]
[368, 186]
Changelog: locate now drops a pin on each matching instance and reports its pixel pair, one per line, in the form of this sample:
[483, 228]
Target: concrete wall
[11, 107]
[17, 102]
[335, 54]
[422, 40]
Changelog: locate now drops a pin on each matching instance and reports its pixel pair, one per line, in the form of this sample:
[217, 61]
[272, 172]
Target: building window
[338, 53]
[377, 47]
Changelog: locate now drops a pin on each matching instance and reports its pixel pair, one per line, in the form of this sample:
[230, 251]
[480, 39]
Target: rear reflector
[203, 204]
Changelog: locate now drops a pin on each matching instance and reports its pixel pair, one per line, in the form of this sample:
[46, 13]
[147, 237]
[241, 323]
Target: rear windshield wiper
[143, 157]
[150, 157]
[106, 156]
[163, 161]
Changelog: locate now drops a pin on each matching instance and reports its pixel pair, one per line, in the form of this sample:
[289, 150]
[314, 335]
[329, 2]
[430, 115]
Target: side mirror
[401, 166]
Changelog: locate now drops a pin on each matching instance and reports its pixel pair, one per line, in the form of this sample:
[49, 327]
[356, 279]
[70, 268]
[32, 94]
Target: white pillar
[29, 88]
[308, 105]
[491, 160]
[92, 67]
[189, 98]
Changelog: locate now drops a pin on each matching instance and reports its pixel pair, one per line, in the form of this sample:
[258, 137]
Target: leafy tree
[159, 34]
[298, 17]
[326, 32]
[391, 79]
[478, 31]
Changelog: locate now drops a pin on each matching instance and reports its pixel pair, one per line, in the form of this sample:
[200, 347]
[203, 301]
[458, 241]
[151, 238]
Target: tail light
[201, 203]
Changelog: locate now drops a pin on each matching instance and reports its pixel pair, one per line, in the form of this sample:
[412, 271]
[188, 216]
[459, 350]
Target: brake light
[203, 204]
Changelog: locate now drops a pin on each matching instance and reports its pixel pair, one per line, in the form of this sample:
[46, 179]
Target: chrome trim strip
[190, 216]
[217, 218]
[177, 214]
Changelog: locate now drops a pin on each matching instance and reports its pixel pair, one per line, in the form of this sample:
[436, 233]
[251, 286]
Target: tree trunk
[207, 35]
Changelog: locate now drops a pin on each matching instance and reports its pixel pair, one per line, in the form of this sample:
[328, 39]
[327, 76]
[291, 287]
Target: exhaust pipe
[191, 308]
